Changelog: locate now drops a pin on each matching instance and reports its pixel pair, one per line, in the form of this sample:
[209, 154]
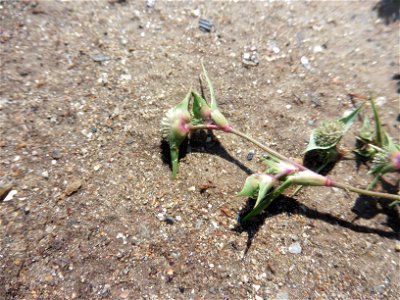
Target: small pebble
[10, 195]
[124, 294]
[6, 185]
[169, 220]
[256, 287]
[380, 101]
[45, 174]
[295, 248]
[99, 57]
[276, 50]
[205, 25]
[192, 189]
[305, 62]
[97, 167]
[250, 59]
[250, 155]
[288, 106]
[397, 247]
[195, 13]
[161, 216]
[72, 187]
[318, 49]
[129, 141]
[56, 154]
[284, 295]
[150, 3]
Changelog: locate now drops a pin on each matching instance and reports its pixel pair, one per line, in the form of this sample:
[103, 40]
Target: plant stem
[267, 149]
[301, 167]
[365, 192]
[250, 139]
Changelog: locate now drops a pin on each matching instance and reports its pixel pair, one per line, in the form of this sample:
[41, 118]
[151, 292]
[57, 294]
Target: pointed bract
[387, 160]
[266, 184]
[251, 186]
[201, 110]
[328, 134]
[217, 117]
[280, 167]
[210, 87]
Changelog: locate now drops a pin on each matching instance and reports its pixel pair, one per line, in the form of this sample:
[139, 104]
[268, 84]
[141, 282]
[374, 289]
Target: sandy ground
[93, 212]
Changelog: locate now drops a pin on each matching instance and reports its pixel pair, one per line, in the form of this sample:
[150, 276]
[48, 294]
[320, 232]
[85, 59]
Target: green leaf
[379, 133]
[210, 87]
[266, 202]
[251, 186]
[366, 133]
[347, 122]
[349, 119]
[266, 185]
[200, 109]
[396, 202]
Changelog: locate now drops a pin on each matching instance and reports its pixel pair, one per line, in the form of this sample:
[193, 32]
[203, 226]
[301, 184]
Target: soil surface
[93, 212]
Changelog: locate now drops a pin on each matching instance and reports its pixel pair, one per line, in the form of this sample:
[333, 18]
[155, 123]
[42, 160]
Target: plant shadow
[388, 10]
[313, 162]
[369, 207]
[291, 206]
[201, 142]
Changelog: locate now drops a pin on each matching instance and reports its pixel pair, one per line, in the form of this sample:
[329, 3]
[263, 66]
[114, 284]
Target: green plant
[375, 145]
[281, 172]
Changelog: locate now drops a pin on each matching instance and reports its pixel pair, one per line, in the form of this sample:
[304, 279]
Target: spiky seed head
[387, 159]
[174, 123]
[382, 157]
[329, 133]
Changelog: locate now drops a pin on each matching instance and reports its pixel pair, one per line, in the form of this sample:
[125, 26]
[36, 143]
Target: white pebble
[318, 49]
[295, 248]
[196, 13]
[276, 50]
[256, 287]
[305, 62]
[10, 195]
[380, 101]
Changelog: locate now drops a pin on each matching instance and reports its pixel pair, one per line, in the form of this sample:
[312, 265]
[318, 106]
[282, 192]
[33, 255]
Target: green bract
[209, 113]
[174, 128]
[367, 132]
[257, 186]
[387, 159]
[330, 133]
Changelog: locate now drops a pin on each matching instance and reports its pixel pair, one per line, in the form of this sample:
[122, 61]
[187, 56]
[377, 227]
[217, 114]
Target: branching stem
[301, 167]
